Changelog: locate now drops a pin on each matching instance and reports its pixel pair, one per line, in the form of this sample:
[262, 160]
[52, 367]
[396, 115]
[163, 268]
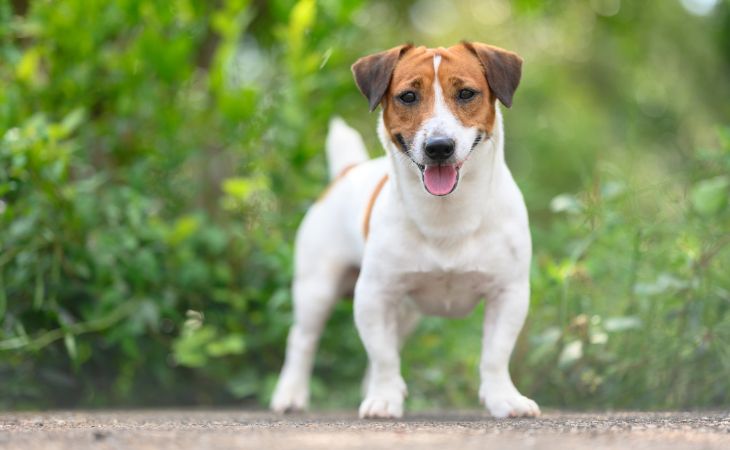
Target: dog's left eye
[466, 94]
[408, 97]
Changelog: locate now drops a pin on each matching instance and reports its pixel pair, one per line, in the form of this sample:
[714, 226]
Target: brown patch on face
[373, 73]
[489, 72]
[414, 73]
[460, 70]
[502, 68]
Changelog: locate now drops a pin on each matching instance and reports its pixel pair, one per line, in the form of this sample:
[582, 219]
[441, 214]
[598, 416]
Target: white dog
[432, 228]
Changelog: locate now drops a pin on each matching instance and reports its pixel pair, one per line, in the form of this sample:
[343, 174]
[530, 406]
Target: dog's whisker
[477, 140]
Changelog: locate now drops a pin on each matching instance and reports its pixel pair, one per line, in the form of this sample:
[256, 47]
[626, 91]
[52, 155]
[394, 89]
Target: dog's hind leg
[315, 291]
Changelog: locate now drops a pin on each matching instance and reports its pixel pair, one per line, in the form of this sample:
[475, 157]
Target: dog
[434, 227]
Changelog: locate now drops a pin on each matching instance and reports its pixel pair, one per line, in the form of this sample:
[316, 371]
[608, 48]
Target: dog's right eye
[408, 97]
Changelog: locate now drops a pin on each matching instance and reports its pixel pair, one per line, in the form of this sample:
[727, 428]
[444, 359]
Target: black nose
[439, 148]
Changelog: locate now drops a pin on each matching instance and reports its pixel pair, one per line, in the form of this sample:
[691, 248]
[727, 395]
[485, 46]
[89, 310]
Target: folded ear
[373, 73]
[502, 68]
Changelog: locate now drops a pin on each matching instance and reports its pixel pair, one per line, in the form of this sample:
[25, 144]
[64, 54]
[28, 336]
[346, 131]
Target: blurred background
[157, 156]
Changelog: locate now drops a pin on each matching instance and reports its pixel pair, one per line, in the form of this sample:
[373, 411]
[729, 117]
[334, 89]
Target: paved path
[196, 429]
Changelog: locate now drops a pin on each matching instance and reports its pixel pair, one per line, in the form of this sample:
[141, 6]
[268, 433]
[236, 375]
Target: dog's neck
[463, 211]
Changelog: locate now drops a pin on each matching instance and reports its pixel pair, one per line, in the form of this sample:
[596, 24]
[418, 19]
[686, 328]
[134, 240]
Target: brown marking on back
[371, 203]
[334, 181]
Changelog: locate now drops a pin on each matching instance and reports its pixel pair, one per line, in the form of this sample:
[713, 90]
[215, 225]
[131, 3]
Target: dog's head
[439, 104]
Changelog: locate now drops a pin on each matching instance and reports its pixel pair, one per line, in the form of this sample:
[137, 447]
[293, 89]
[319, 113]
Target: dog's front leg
[376, 318]
[503, 319]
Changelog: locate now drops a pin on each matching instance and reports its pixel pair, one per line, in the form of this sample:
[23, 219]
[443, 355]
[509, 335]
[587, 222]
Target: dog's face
[438, 104]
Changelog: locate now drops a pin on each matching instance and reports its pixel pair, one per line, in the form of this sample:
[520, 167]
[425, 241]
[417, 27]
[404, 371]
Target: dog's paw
[290, 396]
[382, 407]
[508, 403]
[385, 402]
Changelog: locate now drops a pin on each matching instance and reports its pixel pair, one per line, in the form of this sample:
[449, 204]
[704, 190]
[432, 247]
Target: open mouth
[440, 179]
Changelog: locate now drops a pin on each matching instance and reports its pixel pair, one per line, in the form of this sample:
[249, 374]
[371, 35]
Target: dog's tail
[345, 147]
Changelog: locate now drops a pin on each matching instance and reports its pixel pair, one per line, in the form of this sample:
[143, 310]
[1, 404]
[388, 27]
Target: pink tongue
[439, 180]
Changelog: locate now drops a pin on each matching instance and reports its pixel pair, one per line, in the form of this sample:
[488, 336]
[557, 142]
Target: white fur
[424, 255]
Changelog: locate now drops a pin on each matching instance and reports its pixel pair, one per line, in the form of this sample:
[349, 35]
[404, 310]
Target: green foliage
[709, 197]
[156, 157]
[644, 308]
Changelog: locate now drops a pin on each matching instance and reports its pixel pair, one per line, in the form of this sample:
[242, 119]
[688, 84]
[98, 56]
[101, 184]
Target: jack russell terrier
[434, 227]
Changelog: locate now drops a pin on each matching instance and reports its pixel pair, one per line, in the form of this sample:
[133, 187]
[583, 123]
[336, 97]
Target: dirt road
[195, 429]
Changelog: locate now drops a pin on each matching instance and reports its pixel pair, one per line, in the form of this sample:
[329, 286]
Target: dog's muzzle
[440, 172]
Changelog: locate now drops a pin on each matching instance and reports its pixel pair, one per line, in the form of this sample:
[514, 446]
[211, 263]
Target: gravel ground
[196, 429]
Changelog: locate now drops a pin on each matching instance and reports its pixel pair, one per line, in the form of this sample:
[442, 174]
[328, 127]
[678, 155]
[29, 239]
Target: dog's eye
[466, 94]
[408, 97]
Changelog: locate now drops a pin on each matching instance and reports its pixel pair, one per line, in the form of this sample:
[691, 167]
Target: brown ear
[373, 73]
[502, 68]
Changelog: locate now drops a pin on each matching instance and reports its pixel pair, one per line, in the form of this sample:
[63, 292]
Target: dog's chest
[451, 294]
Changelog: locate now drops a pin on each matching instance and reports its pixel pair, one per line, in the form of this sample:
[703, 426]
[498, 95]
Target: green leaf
[302, 16]
[664, 283]
[189, 349]
[243, 188]
[567, 203]
[300, 20]
[72, 121]
[232, 344]
[184, 227]
[27, 68]
[69, 340]
[614, 324]
[710, 196]
[571, 353]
